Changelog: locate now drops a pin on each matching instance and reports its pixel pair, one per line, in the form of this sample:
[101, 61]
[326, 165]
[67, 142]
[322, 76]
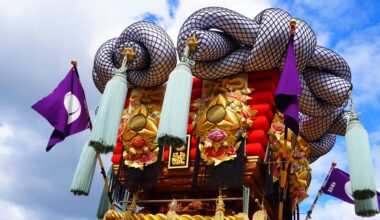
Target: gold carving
[139, 127]
[222, 119]
[178, 159]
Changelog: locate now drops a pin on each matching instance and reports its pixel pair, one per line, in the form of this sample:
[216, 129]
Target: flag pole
[284, 163]
[283, 176]
[102, 170]
[308, 216]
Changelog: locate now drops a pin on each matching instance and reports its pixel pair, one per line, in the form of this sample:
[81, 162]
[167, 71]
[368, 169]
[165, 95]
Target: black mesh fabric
[155, 56]
[230, 43]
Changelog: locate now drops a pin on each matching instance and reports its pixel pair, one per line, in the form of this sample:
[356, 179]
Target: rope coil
[230, 43]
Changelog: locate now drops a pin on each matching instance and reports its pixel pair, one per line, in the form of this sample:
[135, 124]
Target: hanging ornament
[84, 172]
[219, 212]
[173, 207]
[104, 134]
[172, 130]
[359, 158]
[262, 213]
[366, 207]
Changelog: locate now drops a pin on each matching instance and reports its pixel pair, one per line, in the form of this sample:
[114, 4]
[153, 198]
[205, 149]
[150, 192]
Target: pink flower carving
[216, 136]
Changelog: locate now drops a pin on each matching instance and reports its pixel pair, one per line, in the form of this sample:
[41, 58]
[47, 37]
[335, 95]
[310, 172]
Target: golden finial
[129, 52]
[293, 24]
[74, 63]
[348, 95]
[192, 42]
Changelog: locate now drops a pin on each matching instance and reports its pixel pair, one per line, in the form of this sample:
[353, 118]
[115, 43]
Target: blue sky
[39, 38]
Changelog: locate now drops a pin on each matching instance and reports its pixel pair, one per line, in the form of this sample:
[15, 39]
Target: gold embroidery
[221, 119]
[139, 127]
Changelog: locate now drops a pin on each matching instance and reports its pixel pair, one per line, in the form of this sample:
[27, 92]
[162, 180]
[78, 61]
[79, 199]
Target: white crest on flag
[72, 106]
[348, 190]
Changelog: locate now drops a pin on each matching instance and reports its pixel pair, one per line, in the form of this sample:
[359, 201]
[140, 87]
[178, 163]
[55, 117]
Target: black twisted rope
[155, 56]
[230, 43]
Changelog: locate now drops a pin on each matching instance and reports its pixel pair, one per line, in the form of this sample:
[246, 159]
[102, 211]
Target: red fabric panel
[166, 154]
[273, 73]
[257, 136]
[261, 97]
[193, 153]
[259, 123]
[118, 148]
[197, 83]
[189, 122]
[196, 93]
[189, 128]
[255, 149]
[127, 99]
[263, 84]
[118, 140]
[194, 142]
[115, 159]
[192, 109]
[263, 110]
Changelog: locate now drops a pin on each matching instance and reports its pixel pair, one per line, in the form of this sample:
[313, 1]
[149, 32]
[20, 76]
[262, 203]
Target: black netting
[155, 56]
[230, 43]
[322, 146]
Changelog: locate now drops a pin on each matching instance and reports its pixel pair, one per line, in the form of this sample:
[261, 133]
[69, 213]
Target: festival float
[223, 126]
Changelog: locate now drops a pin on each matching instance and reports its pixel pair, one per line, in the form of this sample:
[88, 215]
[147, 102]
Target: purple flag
[65, 109]
[338, 185]
[288, 90]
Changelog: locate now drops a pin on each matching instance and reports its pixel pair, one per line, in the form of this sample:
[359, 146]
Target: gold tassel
[131, 208]
[262, 213]
[219, 213]
[173, 207]
[241, 216]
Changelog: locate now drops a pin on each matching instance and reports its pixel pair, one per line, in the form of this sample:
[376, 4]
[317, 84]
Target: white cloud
[363, 56]
[323, 39]
[6, 152]
[62, 24]
[17, 143]
[15, 211]
[336, 210]
[375, 151]
[97, 20]
[35, 184]
[248, 8]
[5, 133]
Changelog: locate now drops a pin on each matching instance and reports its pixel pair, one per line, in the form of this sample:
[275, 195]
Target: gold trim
[186, 166]
[252, 159]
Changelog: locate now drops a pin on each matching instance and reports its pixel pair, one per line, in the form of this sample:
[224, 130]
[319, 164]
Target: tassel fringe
[171, 214]
[219, 212]
[172, 129]
[360, 163]
[104, 203]
[367, 207]
[104, 134]
[84, 172]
